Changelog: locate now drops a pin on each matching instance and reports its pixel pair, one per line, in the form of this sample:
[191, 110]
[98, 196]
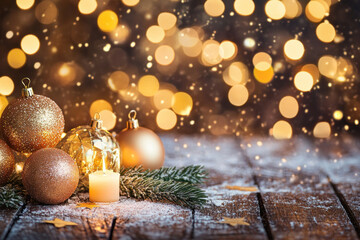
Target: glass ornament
[92, 147]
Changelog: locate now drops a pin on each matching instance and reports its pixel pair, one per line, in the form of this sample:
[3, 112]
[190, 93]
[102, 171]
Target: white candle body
[104, 186]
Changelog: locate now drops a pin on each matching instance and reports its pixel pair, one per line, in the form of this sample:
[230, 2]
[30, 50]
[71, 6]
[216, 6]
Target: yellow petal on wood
[234, 221]
[60, 223]
[246, 189]
[88, 205]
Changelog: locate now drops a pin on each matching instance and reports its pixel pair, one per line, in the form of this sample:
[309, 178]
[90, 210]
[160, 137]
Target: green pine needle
[12, 195]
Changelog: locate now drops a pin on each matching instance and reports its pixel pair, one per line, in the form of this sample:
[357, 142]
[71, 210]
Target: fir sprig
[12, 195]
[194, 174]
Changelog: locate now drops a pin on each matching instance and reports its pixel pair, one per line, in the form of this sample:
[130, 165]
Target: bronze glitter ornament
[92, 147]
[140, 146]
[32, 122]
[50, 176]
[7, 163]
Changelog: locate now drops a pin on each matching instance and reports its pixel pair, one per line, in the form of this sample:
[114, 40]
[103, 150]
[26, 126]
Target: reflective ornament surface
[7, 163]
[50, 176]
[32, 122]
[140, 146]
[92, 147]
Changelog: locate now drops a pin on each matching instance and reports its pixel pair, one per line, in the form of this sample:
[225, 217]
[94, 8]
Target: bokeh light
[214, 8]
[288, 107]
[227, 50]
[99, 105]
[166, 20]
[327, 66]
[264, 76]
[236, 73]
[155, 34]
[87, 6]
[25, 4]
[294, 49]
[46, 12]
[164, 55]
[244, 7]
[182, 103]
[325, 32]
[238, 95]
[163, 99]
[6, 85]
[188, 37]
[148, 85]
[262, 61]
[303, 81]
[322, 130]
[166, 119]
[107, 21]
[315, 11]
[108, 118]
[30, 44]
[121, 34]
[275, 9]
[3, 103]
[130, 3]
[16, 58]
[282, 130]
[338, 115]
[118, 80]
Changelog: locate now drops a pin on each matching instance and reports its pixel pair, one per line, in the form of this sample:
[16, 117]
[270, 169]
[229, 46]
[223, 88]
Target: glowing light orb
[214, 8]
[303, 81]
[99, 105]
[25, 4]
[30, 44]
[16, 58]
[155, 34]
[163, 99]
[182, 103]
[118, 80]
[107, 21]
[46, 12]
[236, 73]
[6, 85]
[327, 66]
[322, 130]
[249, 42]
[130, 3]
[294, 49]
[188, 37]
[288, 107]
[244, 7]
[264, 76]
[166, 119]
[164, 55]
[87, 6]
[338, 115]
[275, 9]
[108, 118]
[121, 34]
[166, 20]
[238, 95]
[227, 50]
[315, 11]
[211, 53]
[148, 85]
[325, 32]
[282, 130]
[262, 61]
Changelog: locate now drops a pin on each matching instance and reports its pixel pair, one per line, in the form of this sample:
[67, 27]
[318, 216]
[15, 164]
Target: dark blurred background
[87, 68]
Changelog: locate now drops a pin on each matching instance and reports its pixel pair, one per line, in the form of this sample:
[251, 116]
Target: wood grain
[299, 201]
[226, 165]
[7, 218]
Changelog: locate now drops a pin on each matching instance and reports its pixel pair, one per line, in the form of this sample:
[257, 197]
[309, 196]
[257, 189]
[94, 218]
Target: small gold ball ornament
[140, 146]
[92, 147]
[32, 122]
[7, 163]
[50, 176]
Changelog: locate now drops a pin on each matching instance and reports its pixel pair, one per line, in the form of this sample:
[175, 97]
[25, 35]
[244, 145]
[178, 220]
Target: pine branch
[181, 193]
[12, 195]
[190, 174]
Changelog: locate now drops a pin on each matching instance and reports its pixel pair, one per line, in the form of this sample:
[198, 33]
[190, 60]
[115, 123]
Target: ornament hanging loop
[27, 91]
[132, 123]
[96, 122]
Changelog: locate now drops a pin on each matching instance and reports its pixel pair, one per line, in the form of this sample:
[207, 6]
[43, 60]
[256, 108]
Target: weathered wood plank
[223, 158]
[7, 218]
[299, 201]
[92, 224]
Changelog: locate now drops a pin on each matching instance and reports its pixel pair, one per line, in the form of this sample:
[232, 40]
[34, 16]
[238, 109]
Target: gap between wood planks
[263, 213]
[12, 222]
[347, 208]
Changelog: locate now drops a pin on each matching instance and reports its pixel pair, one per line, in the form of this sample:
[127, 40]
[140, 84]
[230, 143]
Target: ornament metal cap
[132, 123]
[27, 91]
[96, 123]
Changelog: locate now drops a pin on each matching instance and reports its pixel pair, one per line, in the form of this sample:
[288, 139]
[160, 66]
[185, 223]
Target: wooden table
[308, 189]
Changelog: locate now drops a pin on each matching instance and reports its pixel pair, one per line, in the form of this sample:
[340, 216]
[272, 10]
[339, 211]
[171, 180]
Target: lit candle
[104, 186]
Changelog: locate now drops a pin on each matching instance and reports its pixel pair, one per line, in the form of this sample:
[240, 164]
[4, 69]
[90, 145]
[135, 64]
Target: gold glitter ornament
[32, 122]
[50, 176]
[92, 147]
[7, 163]
[140, 146]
